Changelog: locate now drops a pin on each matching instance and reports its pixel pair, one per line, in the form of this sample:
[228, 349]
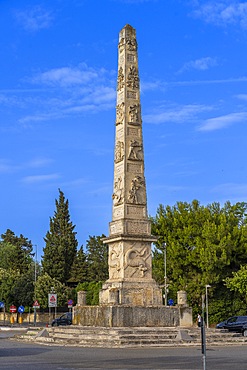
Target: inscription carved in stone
[119, 151]
[131, 95]
[132, 78]
[135, 151]
[135, 168]
[137, 191]
[130, 58]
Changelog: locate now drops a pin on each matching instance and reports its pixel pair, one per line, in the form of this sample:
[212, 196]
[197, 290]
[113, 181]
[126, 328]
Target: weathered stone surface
[126, 316]
[130, 261]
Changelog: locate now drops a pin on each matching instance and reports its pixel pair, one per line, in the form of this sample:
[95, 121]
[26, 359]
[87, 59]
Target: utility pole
[165, 277]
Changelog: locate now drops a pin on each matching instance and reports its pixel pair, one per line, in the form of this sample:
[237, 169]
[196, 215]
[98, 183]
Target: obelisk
[130, 261]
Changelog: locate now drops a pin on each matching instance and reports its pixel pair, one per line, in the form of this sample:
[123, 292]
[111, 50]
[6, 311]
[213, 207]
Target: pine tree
[61, 244]
[97, 258]
[79, 268]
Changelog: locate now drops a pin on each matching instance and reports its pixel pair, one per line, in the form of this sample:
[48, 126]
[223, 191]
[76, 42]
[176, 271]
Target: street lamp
[165, 277]
[207, 286]
[35, 279]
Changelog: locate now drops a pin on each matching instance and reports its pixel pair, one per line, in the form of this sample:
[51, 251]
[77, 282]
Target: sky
[58, 72]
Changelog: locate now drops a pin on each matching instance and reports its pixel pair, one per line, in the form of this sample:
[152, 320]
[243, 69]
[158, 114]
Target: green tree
[61, 244]
[20, 254]
[79, 269]
[204, 245]
[97, 259]
[44, 286]
[92, 288]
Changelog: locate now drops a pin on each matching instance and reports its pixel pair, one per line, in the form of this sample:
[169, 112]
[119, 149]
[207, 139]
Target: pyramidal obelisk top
[130, 261]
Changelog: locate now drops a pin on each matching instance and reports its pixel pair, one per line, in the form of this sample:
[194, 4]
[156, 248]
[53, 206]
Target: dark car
[234, 323]
[65, 319]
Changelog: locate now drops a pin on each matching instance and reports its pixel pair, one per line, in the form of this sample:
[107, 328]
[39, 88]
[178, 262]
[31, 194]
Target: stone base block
[131, 293]
[126, 316]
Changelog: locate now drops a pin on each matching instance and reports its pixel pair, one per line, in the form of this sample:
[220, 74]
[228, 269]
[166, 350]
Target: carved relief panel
[137, 261]
[119, 151]
[118, 194]
[137, 192]
[132, 78]
[115, 260]
[135, 151]
[120, 114]
[134, 115]
[120, 79]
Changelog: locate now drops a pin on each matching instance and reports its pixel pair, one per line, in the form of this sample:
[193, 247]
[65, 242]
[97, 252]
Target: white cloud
[40, 178]
[200, 64]
[34, 19]
[175, 113]
[223, 13]
[231, 190]
[242, 97]
[66, 76]
[221, 122]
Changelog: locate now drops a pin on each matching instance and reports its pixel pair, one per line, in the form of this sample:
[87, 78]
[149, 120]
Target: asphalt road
[31, 356]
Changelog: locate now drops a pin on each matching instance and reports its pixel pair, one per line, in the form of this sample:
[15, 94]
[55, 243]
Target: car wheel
[245, 333]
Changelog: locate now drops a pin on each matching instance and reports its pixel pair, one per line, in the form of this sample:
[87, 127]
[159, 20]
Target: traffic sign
[70, 303]
[170, 302]
[12, 308]
[52, 300]
[1, 304]
[36, 304]
[21, 309]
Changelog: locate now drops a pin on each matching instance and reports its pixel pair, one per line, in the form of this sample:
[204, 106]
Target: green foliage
[238, 282]
[15, 252]
[44, 286]
[92, 288]
[97, 259]
[61, 244]
[79, 269]
[204, 246]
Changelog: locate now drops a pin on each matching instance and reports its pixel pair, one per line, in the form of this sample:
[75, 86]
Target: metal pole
[203, 334]
[207, 286]
[35, 279]
[165, 277]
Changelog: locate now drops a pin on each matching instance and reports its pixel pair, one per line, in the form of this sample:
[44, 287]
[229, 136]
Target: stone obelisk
[130, 261]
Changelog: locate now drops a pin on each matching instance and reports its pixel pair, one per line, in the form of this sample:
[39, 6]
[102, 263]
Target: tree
[97, 259]
[44, 286]
[19, 253]
[79, 269]
[204, 245]
[61, 244]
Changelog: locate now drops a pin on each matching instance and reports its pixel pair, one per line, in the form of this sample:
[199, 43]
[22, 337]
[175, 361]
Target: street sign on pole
[70, 303]
[12, 309]
[52, 300]
[1, 304]
[36, 304]
[21, 309]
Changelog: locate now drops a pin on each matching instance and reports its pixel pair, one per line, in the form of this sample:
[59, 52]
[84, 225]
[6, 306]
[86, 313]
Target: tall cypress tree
[61, 244]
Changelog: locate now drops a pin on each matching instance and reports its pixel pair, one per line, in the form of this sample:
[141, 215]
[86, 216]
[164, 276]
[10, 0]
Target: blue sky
[57, 106]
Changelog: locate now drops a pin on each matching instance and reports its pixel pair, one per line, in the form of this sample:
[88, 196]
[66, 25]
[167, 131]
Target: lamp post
[207, 286]
[165, 277]
[35, 279]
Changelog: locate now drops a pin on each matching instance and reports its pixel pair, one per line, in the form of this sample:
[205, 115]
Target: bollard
[20, 320]
[12, 320]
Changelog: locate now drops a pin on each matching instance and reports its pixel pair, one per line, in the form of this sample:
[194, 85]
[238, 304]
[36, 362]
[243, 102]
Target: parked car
[65, 319]
[235, 323]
